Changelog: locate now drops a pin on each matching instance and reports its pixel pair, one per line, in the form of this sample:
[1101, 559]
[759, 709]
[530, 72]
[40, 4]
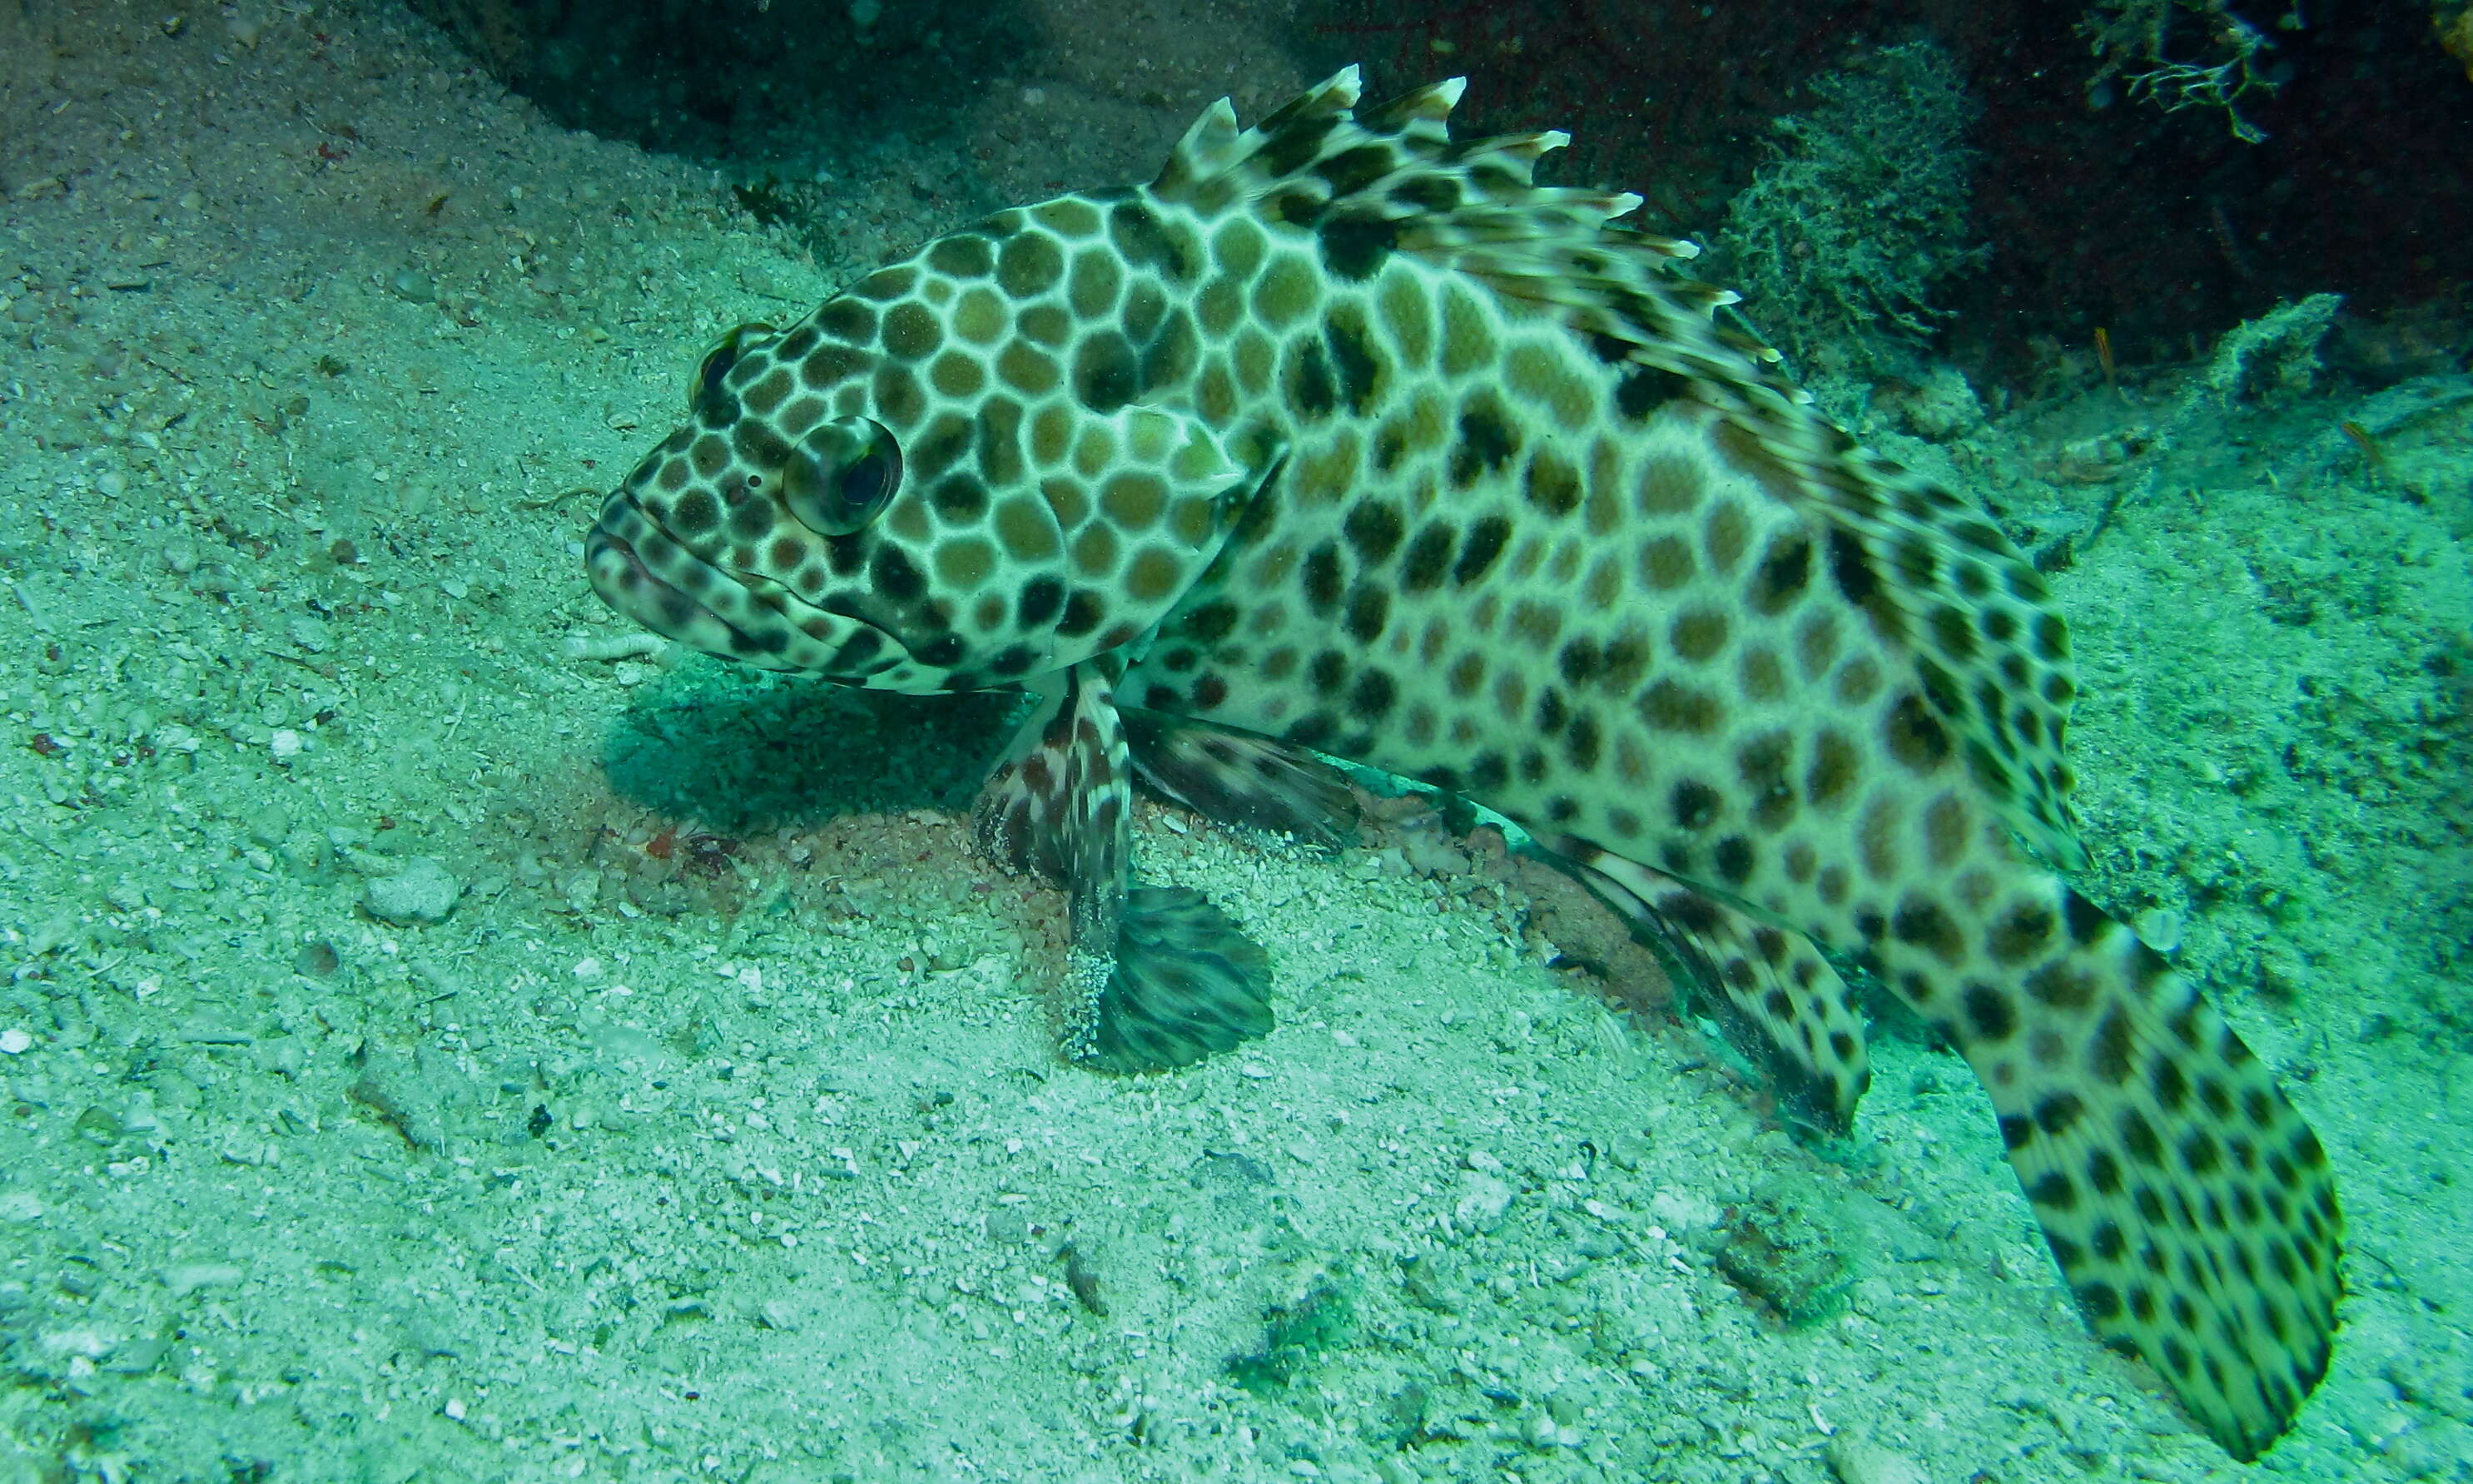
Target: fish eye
[717, 361]
[841, 475]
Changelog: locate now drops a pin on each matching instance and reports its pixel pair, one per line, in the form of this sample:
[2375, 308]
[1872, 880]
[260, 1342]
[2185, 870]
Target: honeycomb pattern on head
[1017, 508]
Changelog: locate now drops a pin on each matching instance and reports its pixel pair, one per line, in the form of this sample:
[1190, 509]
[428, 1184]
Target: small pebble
[187, 1278]
[423, 890]
[15, 1041]
[1858, 1460]
[1483, 1203]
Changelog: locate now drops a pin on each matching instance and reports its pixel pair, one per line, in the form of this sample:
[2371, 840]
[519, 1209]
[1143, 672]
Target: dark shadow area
[740, 753]
[2161, 226]
[743, 81]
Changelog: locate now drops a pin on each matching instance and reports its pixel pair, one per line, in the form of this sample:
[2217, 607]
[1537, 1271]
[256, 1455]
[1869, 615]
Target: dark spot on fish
[2022, 934]
[1104, 372]
[1578, 661]
[1315, 729]
[1168, 356]
[1486, 443]
[1582, 746]
[2052, 638]
[947, 439]
[694, 513]
[1851, 569]
[846, 320]
[1293, 141]
[1374, 528]
[1373, 696]
[960, 499]
[1916, 737]
[1360, 371]
[1356, 244]
[1989, 1013]
[1143, 243]
[1435, 193]
[1323, 579]
[1551, 485]
[1329, 671]
[898, 402]
[1083, 611]
[2168, 1082]
[1669, 706]
[1388, 445]
[2062, 985]
[2087, 920]
[1692, 806]
[2103, 1173]
[858, 651]
[1312, 390]
[1369, 608]
[2108, 1058]
[1925, 925]
[1645, 389]
[1429, 556]
[893, 575]
[1144, 307]
[1210, 623]
[1041, 599]
[1352, 170]
[1484, 544]
[1782, 575]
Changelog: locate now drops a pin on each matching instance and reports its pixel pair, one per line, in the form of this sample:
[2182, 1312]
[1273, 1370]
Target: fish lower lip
[630, 586]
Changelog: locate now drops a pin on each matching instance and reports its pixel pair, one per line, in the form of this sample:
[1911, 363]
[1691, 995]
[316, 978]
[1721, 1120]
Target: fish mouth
[648, 576]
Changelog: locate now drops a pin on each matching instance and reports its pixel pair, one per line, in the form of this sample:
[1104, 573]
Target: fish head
[913, 490]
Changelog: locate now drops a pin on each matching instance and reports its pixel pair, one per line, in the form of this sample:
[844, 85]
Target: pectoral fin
[1158, 977]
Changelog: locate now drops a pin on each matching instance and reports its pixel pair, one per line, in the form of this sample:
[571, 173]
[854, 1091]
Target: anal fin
[1779, 1002]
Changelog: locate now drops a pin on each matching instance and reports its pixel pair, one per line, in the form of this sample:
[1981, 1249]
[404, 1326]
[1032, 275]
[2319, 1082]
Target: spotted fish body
[1344, 437]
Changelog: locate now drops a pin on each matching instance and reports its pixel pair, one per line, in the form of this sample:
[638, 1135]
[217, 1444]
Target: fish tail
[2190, 1207]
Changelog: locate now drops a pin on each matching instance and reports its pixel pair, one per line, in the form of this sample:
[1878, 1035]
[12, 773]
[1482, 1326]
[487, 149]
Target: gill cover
[1135, 537]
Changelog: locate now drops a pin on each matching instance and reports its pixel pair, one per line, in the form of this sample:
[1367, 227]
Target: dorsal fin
[1937, 578]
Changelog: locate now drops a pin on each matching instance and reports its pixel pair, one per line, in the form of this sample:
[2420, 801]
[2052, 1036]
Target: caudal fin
[2188, 1205]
